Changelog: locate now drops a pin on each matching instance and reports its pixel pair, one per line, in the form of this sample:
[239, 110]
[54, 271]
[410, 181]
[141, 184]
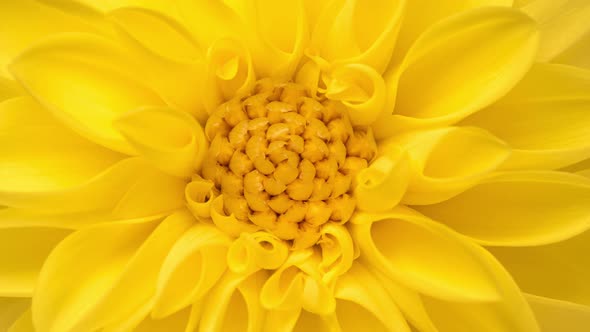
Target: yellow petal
[382, 185]
[360, 88]
[193, 266]
[172, 141]
[97, 302]
[8, 88]
[338, 251]
[281, 35]
[350, 31]
[409, 302]
[174, 322]
[421, 14]
[233, 304]
[444, 162]
[544, 118]
[11, 309]
[559, 271]
[562, 23]
[170, 61]
[219, 18]
[557, 316]
[84, 80]
[22, 253]
[36, 151]
[129, 189]
[229, 224]
[199, 195]
[576, 54]
[475, 78]
[157, 33]
[519, 209]
[425, 256]
[230, 72]
[364, 305]
[23, 324]
[254, 251]
[28, 21]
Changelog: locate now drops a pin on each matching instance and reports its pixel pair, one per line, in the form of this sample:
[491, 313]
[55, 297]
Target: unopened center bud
[285, 161]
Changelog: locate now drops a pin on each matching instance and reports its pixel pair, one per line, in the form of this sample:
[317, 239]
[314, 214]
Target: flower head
[259, 165]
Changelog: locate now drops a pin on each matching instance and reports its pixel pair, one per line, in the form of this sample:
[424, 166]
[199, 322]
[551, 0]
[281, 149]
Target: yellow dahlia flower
[298, 165]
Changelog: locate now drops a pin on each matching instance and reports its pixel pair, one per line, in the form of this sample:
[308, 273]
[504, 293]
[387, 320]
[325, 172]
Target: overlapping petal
[544, 118]
[11, 309]
[87, 82]
[556, 316]
[128, 257]
[475, 78]
[519, 209]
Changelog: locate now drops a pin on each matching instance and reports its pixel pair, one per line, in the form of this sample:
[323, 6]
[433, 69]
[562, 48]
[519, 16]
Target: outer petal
[8, 88]
[577, 54]
[545, 118]
[562, 23]
[465, 279]
[24, 323]
[363, 304]
[22, 253]
[560, 271]
[557, 316]
[36, 151]
[129, 189]
[475, 78]
[351, 31]
[519, 209]
[28, 21]
[444, 162]
[116, 270]
[193, 266]
[416, 251]
[172, 141]
[85, 81]
[233, 304]
[421, 14]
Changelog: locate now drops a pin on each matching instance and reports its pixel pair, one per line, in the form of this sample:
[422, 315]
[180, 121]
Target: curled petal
[282, 34]
[199, 195]
[230, 72]
[293, 286]
[363, 304]
[444, 162]
[419, 253]
[382, 185]
[172, 141]
[454, 272]
[350, 31]
[544, 118]
[127, 257]
[562, 23]
[75, 72]
[475, 78]
[233, 304]
[519, 209]
[360, 88]
[22, 253]
[193, 266]
[338, 251]
[409, 302]
[229, 223]
[254, 251]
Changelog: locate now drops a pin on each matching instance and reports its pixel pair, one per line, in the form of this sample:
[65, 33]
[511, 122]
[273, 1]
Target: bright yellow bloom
[298, 165]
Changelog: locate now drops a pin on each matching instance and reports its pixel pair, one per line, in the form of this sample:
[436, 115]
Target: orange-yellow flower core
[285, 161]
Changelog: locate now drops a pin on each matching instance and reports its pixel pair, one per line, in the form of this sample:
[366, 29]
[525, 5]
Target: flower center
[285, 161]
